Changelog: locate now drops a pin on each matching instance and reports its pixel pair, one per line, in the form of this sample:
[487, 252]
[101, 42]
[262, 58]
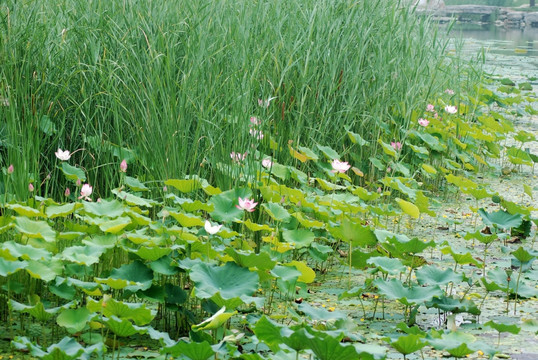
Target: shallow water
[508, 52]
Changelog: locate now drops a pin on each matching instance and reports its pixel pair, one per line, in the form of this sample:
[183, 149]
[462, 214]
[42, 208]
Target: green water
[507, 52]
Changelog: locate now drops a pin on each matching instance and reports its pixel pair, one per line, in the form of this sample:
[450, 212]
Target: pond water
[508, 52]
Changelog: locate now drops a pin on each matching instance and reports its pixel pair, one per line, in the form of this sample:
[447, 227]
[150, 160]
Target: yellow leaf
[409, 208]
[307, 274]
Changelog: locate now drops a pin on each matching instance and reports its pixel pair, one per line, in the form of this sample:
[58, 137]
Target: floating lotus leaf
[35, 229]
[320, 313]
[229, 280]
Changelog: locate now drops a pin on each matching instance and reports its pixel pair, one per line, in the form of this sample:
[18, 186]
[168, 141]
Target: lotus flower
[85, 192]
[63, 155]
[396, 145]
[451, 109]
[449, 91]
[423, 122]
[211, 229]
[339, 166]
[246, 204]
[255, 121]
[10, 169]
[67, 192]
[31, 187]
[430, 108]
[258, 134]
[123, 166]
[265, 103]
[238, 157]
[267, 163]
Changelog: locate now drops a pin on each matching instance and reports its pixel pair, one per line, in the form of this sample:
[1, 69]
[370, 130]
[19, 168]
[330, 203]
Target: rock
[532, 19]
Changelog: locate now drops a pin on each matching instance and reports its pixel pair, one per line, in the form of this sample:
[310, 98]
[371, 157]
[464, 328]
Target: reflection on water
[508, 51]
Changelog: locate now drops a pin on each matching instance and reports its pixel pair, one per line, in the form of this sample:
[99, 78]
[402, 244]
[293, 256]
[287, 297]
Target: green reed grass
[171, 84]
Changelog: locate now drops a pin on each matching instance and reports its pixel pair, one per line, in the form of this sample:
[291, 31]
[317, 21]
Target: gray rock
[531, 19]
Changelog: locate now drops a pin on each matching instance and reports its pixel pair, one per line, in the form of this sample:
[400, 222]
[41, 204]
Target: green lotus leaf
[519, 157]
[357, 139]
[122, 327]
[135, 184]
[185, 186]
[320, 313]
[432, 275]
[530, 325]
[37, 310]
[500, 219]
[84, 255]
[299, 238]
[151, 253]
[454, 305]
[268, 331]
[359, 235]
[395, 290]
[174, 294]
[63, 289]
[72, 172]
[261, 261]
[276, 212]
[135, 312]
[320, 252]
[327, 347]
[44, 270]
[116, 225]
[164, 266]
[229, 280]
[328, 152]
[192, 206]
[405, 246]
[137, 217]
[365, 195]
[257, 227]
[25, 210]
[224, 204]
[387, 148]
[190, 350]
[25, 252]
[307, 274]
[430, 140]
[35, 229]
[70, 235]
[522, 255]
[105, 208]
[107, 241]
[133, 199]
[329, 186]
[460, 259]
[10, 267]
[387, 265]
[66, 349]
[453, 340]
[74, 320]
[408, 344]
[136, 272]
[215, 321]
[187, 220]
[483, 238]
[500, 327]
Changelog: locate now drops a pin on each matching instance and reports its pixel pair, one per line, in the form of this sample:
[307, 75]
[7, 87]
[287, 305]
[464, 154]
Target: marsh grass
[171, 85]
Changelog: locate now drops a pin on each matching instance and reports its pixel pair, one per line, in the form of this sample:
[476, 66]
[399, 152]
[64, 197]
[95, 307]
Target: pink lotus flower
[449, 91]
[123, 166]
[258, 134]
[396, 145]
[430, 108]
[267, 163]
[339, 166]
[238, 157]
[246, 204]
[10, 169]
[423, 122]
[63, 155]
[85, 192]
[265, 103]
[31, 187]
[451, 109]
[211, 229]
[255, 121]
